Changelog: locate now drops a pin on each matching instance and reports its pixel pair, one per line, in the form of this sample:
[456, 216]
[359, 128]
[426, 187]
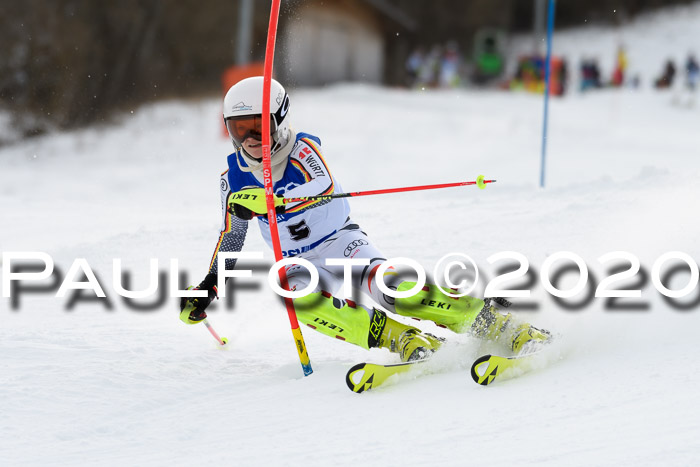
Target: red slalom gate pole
[269, 193]
[480, 182]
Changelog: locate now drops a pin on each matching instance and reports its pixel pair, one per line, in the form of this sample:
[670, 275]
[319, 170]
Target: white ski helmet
[243, 110]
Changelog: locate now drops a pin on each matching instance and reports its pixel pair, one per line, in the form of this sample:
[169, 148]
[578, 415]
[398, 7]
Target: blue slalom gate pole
[547, 72]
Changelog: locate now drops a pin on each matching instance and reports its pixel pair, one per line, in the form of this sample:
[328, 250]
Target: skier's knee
[341, 319]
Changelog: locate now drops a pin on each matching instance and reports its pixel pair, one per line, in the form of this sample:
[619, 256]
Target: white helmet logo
[240, 107]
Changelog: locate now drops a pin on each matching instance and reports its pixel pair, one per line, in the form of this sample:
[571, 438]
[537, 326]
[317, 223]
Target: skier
[618, 78]
[316, 230]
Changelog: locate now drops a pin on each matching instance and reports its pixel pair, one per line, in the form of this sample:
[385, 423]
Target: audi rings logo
[354, 244]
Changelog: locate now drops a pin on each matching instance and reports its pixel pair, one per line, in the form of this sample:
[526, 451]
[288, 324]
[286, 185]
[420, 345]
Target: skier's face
[246, 132]
[253, 147]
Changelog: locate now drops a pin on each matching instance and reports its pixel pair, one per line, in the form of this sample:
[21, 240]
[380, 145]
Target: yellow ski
[486, 369]
[366, 376]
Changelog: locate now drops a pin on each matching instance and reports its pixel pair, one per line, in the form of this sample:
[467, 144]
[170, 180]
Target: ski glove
[192, 308]
[250, 202]
[246, 214]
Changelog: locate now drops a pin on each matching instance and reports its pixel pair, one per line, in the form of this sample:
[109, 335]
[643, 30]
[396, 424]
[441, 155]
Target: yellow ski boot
[409, 342]
[350, 322]
[521, 339]
[528, 339]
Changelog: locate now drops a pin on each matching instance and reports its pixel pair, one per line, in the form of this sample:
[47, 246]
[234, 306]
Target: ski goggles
[247, 126]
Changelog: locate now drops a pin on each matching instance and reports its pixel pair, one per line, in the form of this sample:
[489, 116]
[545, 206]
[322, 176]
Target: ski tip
[357, 380]
[481, 372]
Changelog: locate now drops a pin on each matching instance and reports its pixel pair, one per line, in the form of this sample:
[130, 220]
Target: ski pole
[221, 340]
[480, 182]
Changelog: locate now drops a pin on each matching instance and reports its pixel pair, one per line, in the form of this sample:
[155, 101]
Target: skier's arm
[309, 161]
[231, 239]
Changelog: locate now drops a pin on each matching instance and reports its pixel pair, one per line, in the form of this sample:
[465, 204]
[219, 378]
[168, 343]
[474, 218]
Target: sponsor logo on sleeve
[315, 166]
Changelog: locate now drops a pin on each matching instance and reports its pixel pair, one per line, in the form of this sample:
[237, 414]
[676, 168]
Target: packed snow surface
[95, 381]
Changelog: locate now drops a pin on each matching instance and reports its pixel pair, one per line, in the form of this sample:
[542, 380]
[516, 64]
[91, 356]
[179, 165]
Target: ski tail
[488, 374]
[365, 376]
[486, 369]
[365, 380]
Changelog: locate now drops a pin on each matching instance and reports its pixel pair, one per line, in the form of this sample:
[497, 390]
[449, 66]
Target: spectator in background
[563, 76]
[489, 62]
[635, 82]
[413, 66]
[692, 70]
[618, 78]
[666, 79]
[429, 70]
[590, 74]
[449, 67]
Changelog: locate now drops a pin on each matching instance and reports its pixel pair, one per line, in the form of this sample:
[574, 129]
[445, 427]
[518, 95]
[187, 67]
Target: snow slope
[116, 386]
